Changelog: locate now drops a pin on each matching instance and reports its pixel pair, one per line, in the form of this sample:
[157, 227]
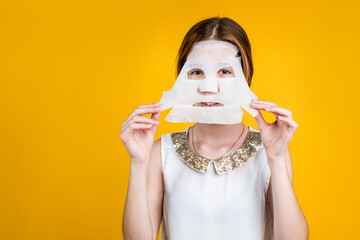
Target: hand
[277, 135]
[137, 132]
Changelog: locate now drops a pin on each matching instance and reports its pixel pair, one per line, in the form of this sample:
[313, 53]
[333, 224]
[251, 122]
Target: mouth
[208, 104]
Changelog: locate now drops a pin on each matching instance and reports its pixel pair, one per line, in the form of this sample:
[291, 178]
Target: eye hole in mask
[198, 74]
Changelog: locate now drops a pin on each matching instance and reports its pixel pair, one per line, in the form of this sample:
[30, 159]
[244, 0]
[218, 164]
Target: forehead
[212, 51]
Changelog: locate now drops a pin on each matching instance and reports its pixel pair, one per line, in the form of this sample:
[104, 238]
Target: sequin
[223, 164]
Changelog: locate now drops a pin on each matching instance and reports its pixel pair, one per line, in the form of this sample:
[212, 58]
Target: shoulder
[164, 145]
[254, 139]
[170, 139]
[182, 132]
[157, 145]
[262, 159]
[258, 148]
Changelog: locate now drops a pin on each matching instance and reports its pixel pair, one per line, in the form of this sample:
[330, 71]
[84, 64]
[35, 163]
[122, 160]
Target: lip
[202, 104]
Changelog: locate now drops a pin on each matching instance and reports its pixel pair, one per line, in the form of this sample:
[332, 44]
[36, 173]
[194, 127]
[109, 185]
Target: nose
[208, 87]
[208, 92]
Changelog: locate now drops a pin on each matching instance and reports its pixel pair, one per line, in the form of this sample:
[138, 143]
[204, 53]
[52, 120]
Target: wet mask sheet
[211, 87]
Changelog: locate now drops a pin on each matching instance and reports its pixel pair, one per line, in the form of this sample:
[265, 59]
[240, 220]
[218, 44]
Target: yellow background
[72, 71]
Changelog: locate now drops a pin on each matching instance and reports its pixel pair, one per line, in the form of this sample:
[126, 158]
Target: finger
[133, 126]
[141, 111]
[258, 101]
[261, 106]
[291, 123]
[278, 110]
[140, 119]
[124, 133]
[291, 126]
[260, 121]
[155, 116]
[148, 105]
[140, 126]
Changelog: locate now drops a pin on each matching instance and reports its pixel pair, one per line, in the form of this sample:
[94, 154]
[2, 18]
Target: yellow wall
[72, 71]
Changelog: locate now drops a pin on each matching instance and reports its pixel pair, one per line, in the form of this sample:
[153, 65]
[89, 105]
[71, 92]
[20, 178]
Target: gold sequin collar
[223, 164]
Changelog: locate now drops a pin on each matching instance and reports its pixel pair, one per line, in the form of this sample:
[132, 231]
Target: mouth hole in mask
[208, 104]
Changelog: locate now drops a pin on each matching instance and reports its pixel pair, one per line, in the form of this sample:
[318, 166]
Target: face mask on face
[211, 87]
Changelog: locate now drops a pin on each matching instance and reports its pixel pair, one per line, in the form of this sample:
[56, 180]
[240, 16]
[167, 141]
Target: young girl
[212, 181]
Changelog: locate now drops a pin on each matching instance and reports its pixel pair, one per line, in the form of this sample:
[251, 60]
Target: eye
[196, 72]
[225, 71]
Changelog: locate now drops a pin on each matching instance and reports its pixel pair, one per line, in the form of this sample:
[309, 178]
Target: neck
[218, 135]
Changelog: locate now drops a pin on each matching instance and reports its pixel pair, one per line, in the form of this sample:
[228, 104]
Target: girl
[212, 181]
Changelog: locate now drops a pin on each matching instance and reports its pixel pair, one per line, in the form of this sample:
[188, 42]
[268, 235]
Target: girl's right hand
[138, 132]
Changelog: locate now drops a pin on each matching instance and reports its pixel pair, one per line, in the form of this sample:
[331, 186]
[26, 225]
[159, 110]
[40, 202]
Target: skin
[143, 207]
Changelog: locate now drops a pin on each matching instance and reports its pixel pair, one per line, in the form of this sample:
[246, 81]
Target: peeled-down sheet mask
[211, 87]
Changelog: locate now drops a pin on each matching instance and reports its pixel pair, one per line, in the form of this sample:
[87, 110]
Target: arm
[288, 219]
[143, 207]
[155, 189]
[136, 217]
[137, 134]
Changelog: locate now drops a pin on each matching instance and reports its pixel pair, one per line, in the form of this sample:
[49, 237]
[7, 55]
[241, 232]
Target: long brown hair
[223, 29]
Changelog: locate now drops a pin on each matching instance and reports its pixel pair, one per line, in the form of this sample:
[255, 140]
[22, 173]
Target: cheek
[228, 75]
[189, 87]
[231, 74]
[230, 85]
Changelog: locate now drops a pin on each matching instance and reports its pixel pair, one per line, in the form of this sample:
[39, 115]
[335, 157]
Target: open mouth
[208, 104]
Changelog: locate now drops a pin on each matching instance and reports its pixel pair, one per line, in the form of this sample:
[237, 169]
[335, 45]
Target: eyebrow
[195, 65]
[223, 64]
[219, 65]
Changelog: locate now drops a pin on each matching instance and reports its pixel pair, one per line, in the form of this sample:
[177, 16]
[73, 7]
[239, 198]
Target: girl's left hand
[277, 135]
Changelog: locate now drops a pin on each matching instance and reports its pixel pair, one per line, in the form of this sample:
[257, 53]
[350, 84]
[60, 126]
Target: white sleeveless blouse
[215, 200]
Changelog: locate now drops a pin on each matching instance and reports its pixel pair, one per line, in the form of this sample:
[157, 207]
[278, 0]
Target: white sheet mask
[202, 79]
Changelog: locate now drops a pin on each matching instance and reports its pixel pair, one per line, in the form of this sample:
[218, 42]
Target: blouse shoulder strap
[167, 146]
